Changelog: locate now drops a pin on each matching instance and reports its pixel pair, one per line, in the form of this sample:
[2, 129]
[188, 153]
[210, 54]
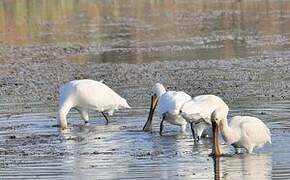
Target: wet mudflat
[238, 50]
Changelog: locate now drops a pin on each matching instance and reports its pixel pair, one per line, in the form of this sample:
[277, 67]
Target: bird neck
[228, 133]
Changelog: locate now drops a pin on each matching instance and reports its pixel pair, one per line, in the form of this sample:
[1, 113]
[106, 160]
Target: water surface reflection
[143, 31]
[31, 147]
[247, 166]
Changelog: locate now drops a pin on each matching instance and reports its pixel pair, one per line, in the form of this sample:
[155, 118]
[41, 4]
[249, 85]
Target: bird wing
[202, 106]
[254, 129]
[98, 96]
[171, 102]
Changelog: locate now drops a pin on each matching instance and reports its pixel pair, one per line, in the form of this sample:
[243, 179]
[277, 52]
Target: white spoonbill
[88, 94]
[167, 105]
[242, 132]
[198, 112]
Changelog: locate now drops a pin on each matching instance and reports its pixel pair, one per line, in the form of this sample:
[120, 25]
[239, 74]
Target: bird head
[186, 111]
[218, 115]
[158, 89]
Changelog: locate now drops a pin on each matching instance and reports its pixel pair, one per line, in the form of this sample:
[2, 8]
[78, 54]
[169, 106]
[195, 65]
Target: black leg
[192, 130]
[106, 117]
[161, 126]
[197, 139]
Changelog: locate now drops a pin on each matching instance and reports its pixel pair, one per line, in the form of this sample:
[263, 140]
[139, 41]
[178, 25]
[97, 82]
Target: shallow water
[145, 31]
[32, 148]
[235, 49]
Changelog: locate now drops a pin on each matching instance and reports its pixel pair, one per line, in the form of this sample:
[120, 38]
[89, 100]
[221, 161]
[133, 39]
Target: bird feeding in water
[167, 104]
[242, 132]
[198, 111]
[86, 94]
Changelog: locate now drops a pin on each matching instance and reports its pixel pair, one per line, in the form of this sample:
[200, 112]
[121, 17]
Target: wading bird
[87, 94]
[242, 132]
[167, 105]
[198, 111]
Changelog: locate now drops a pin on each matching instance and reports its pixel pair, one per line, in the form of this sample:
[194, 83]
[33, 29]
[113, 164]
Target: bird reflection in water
[243, 166]
[216, 163]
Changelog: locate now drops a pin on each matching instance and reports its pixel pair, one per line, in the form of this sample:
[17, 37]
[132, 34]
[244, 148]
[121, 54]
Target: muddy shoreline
[34, 74]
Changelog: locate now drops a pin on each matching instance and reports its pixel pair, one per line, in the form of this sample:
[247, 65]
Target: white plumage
[198, 112]
[168, 107]
[247, 132]
[242, 131]
[88, 94]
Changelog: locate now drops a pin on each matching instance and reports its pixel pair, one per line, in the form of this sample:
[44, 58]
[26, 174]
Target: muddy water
[238, 50]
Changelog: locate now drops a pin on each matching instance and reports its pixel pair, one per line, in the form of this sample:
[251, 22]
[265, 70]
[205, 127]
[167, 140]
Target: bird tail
[269, 134]
[126, 105]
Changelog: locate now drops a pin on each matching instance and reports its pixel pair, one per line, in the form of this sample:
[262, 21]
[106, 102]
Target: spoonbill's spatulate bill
[198, 112]
[242, 132]
[167, 105]
[88, 94]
